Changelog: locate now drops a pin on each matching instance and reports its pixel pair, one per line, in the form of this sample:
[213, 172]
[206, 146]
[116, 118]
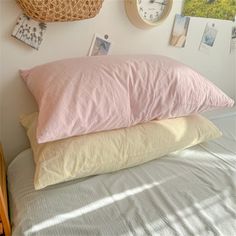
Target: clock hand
[153, 1]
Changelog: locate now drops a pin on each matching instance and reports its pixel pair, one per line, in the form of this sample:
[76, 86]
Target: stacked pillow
[102, 114]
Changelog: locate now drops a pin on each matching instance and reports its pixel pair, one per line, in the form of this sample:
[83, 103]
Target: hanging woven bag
[60, 10]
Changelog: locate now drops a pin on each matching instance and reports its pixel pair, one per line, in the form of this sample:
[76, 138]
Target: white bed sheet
[192, 192]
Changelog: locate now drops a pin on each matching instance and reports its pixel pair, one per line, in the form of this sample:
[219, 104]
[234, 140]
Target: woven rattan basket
[60, 10]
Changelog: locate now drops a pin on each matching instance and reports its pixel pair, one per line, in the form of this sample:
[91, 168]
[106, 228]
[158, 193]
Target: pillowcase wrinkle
[109, 151]
[112, 92]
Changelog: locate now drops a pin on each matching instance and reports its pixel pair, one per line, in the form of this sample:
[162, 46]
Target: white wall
[73, 39]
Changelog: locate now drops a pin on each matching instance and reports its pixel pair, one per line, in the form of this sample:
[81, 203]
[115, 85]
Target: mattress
[190, 192]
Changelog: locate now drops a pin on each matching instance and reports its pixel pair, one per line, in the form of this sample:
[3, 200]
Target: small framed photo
[100, 46]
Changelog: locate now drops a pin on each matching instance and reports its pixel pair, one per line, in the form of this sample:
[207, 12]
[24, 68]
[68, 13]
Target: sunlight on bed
[188, 212]
[196, 214]
[186, 220]
[93, 206]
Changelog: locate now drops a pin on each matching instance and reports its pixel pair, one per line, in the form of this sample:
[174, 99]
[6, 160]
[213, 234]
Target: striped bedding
[192, 192]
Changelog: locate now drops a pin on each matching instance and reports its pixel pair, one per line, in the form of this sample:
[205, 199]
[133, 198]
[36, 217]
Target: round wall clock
[147, 13]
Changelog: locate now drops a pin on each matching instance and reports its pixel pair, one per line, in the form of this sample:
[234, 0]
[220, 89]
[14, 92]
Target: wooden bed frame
[5, 227]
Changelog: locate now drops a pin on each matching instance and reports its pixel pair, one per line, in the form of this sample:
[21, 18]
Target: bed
[190, 192]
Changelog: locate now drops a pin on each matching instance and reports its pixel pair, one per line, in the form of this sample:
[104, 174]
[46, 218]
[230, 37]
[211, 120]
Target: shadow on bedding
[158, 206]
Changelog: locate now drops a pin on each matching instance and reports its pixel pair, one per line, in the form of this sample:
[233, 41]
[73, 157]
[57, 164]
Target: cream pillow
[110, 151]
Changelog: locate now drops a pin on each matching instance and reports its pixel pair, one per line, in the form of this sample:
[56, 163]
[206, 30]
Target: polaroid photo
[208, 38]
[179, 31]
[100, 46]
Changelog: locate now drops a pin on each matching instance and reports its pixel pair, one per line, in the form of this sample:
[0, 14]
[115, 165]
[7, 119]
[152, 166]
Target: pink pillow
[90, 94]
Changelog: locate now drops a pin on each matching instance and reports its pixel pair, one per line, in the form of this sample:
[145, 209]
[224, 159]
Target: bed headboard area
[73, 39]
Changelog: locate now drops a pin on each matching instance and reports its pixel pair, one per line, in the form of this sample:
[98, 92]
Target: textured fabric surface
[84, 95]
[192, 192]
[110, 151]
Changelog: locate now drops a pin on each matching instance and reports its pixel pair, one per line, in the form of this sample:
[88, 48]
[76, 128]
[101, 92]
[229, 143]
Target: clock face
[152, 10]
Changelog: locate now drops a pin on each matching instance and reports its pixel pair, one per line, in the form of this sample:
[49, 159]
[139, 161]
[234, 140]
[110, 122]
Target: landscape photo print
[217, 9]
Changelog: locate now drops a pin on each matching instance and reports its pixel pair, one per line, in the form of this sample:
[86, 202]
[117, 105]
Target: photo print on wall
[100, 46]
[208, 37]
[29, 31]
[179, 31]
[233, 40]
